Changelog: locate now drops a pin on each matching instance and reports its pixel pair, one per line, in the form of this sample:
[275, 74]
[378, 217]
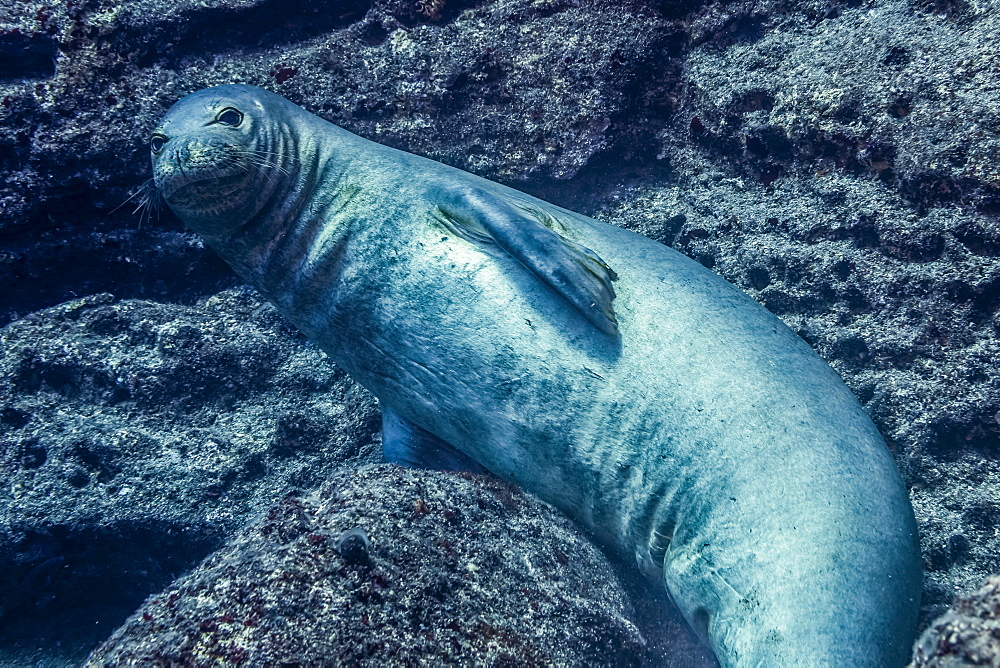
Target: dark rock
[966, 635]
[354, 546]
[137, 437]
[457, 570]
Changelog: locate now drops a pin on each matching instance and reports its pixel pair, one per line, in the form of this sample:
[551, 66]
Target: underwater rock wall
[137, 436]
[838, 160]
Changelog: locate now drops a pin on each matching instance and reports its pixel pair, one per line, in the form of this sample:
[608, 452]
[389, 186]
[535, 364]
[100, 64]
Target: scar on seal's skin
[672, 416]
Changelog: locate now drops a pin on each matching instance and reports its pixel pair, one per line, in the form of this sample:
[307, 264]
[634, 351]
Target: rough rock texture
[835, 158]
[436, 570]
[136, 436]
[966, 635]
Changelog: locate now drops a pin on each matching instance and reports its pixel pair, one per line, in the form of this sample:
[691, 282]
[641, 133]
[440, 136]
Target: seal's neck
[293, 229]
[298, 236]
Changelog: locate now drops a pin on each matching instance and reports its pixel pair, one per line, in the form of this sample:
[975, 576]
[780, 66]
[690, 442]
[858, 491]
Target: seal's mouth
[204, 192]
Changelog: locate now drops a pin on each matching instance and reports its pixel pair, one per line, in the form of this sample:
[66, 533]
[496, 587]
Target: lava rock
[459, 570]
[966, 635]
[138, 436]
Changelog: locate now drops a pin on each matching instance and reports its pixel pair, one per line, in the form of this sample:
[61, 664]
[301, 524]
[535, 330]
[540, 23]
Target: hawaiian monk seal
[670, 414]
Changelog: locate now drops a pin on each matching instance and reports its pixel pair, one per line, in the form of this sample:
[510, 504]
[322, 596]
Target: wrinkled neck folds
[254, 179]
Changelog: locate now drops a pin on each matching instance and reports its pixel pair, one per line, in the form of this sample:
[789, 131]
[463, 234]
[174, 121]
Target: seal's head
[218, 153]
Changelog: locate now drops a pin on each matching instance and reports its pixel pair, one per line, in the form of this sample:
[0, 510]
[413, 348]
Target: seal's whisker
[247, 151]
[261, 161]
[269, 169]
[264, 159]
[260, 152]
[281, 170]
[148, 201]
[149, 205]
[141, 190]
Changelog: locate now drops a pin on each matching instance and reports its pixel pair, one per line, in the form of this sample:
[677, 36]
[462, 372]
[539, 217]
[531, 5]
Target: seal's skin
[670, 414]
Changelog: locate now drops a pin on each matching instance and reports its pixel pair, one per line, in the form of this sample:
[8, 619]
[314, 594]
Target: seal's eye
[157, 142]
[229, 116]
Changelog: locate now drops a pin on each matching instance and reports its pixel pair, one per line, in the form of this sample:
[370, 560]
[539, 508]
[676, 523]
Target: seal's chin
[206, 194]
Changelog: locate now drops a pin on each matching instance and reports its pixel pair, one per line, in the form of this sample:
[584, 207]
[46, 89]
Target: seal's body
[666, 411]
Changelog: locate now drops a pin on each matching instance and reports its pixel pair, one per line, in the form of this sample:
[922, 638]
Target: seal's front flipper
[406, 444]
[577, 273]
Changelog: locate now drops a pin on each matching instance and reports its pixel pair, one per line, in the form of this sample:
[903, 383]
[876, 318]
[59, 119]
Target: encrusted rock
[967, 635]
[458, 570]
